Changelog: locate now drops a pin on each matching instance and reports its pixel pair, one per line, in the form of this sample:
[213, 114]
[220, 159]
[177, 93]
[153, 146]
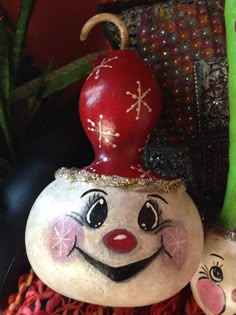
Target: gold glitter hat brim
[81, 175]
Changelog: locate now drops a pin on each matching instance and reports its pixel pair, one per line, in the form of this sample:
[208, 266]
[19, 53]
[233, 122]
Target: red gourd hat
[120, 105]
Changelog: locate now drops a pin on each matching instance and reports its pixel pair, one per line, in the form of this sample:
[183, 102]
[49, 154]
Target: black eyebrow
[158, 196]
[92, 190]
[217, 256]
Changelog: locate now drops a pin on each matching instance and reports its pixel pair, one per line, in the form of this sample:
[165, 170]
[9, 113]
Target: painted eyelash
[92, 199]
[204, 272]
[217, 264]
[163, 224]
[80, 218]
[156, 206]
[77, 217]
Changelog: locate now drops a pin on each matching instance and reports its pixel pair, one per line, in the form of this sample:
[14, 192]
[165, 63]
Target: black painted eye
[97, 213]
[216, 273]
[148, 218]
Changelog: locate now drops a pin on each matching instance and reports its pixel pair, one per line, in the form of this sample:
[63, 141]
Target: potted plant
[37, 135]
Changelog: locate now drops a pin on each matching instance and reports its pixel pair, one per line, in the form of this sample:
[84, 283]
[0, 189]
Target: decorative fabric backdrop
[183, 43]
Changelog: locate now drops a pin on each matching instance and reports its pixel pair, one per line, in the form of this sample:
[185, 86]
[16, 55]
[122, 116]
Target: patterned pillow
[183, 43]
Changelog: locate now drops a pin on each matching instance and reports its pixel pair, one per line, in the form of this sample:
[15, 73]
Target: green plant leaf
[34, 100]
[26, 10]
[4, 12]
[57, 80]
[4, 66]
[5, 129]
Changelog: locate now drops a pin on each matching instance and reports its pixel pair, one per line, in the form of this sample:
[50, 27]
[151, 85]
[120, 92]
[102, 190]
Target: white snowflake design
[102, 65]
[102, 134]
[61, 239]
[176, 246]
[218, 4]
[93, 169]
[140, 100]
[142, 148]
[144, 173]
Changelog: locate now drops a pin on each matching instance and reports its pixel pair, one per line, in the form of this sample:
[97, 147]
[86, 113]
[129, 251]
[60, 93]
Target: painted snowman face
[112, 245]
[214, 284]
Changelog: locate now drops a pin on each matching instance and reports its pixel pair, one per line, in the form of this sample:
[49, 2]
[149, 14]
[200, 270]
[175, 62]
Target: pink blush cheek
[233, 295]
[175, 240]
[63, 235]
[211, 295]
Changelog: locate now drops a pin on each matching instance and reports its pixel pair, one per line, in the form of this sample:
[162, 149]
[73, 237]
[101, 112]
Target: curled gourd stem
[106, 17]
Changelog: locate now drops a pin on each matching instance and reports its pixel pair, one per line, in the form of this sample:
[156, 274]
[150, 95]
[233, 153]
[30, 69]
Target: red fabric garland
[35, 298]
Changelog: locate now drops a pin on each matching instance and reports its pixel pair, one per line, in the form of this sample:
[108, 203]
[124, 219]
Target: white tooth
[120, 237]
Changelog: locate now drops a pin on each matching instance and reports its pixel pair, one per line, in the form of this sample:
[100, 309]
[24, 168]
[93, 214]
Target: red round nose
[120, 241]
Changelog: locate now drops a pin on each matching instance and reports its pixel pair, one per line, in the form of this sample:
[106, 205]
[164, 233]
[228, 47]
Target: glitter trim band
[222, 232]
[75, 174]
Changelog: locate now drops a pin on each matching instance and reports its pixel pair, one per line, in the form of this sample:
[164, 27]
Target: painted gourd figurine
[214, 284]
[115, 233]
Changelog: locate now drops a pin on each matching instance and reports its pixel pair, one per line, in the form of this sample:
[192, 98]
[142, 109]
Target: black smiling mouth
[119, 274]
